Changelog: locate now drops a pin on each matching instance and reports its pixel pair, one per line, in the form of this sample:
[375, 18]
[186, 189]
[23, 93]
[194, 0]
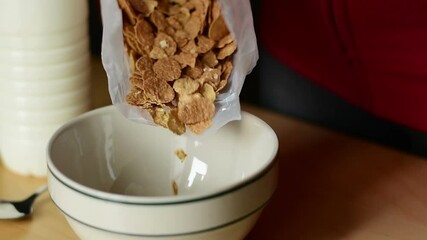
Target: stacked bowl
[44, 76]
[114, 179]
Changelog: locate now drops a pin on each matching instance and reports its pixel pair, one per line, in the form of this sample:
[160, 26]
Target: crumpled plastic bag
[238, 17]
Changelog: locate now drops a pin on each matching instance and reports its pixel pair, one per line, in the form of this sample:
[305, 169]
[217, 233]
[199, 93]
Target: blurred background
[303, 99]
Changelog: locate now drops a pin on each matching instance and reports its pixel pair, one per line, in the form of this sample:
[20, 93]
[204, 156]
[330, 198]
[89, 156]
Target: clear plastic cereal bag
[180, 64]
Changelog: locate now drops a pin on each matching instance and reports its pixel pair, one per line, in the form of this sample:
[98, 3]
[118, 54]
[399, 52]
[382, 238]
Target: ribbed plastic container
[44, 76]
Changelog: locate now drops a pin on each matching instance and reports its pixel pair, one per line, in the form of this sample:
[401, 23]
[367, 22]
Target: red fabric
[372, 53]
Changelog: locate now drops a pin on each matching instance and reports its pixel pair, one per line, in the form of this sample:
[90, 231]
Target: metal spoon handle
[17, 209]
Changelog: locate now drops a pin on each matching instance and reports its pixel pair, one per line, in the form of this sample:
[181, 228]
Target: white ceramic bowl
[112, 178]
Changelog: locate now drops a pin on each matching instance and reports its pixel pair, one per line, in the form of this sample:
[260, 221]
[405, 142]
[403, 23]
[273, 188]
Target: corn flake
[209, 59]
[143, 63]
[167, 69]
[208, 92]
[174, 188]
[165, 42]
[159, 20]
[195, 108]
[186, 59]
[180, 154]
[211, 75]
[226, 70]
[193, 26]
[158, 53]
[144, 34]
[227, 51]
[204, 44]
[214, 13]
[160, 116]
[175, 124]
[180, 55]
[145, 7]
[199, 127]
[131, 41]
[128, 10]
[185, 86]
[181, 37]
[224, 41]
[158, 90]
[137, 97]
[218, 30]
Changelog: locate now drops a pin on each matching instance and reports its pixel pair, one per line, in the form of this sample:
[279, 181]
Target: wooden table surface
[331, 186]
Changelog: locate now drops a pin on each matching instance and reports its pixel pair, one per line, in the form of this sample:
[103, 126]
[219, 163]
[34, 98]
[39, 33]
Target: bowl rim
[155, 200]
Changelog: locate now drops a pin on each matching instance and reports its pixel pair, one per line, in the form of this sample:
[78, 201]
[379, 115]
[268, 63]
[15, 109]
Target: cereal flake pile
[180, 59]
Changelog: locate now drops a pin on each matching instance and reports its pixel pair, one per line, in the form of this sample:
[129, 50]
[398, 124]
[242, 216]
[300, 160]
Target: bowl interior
[104, 151]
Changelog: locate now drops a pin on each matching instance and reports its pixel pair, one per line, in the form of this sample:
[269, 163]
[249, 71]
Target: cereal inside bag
[179, 64]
